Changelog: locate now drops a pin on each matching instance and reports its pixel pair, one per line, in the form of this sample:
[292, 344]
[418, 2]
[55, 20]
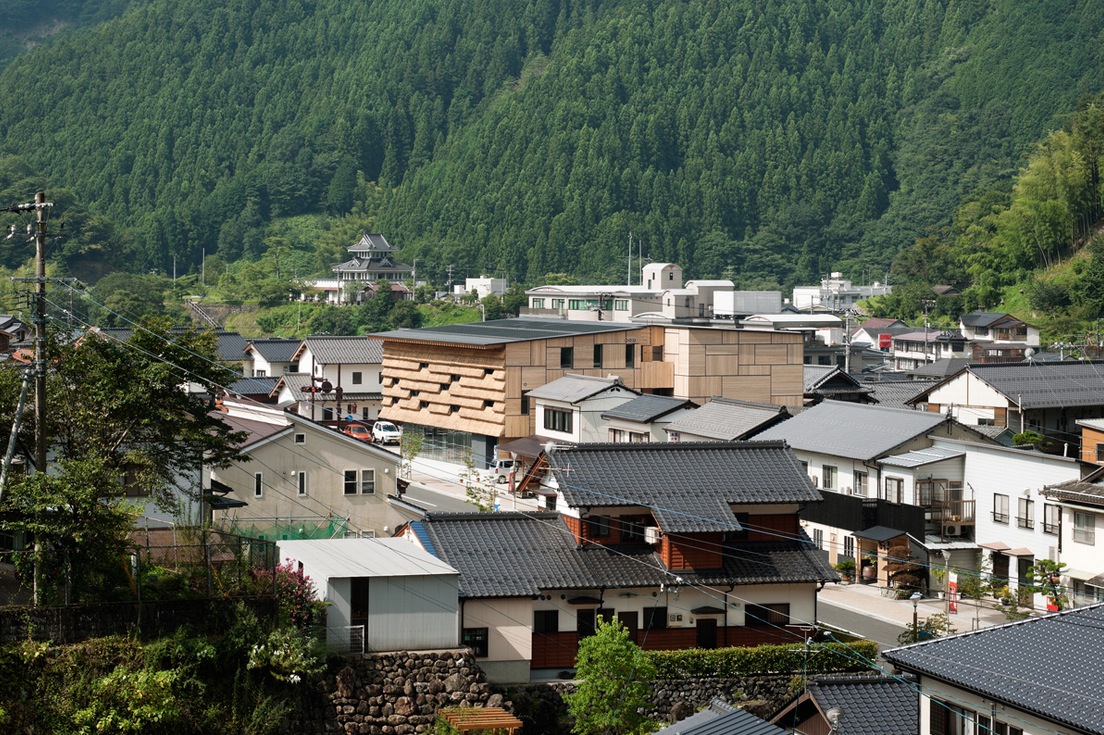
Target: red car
[358, 431]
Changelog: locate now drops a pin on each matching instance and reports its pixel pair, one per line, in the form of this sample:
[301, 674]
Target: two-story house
[867, 460]
[350, 367]
[919, 347]
[270, 357]
[299, 479]
[1045, 397]
[687, 545]
[373, 259]
[998, 337]
[569, 409]
[645, 418]
[1074, 511]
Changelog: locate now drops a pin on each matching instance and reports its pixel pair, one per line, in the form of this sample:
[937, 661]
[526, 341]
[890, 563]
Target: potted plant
[869, 567]
[846, 568]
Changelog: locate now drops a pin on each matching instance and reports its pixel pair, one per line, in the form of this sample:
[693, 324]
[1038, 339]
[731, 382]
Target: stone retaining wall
[400, 693]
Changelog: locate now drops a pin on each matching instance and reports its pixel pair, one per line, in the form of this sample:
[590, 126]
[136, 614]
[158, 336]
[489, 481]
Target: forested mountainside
[26, 23]
[767, 141]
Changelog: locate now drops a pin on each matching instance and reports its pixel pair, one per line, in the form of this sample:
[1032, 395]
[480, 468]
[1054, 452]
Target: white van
[500, 470]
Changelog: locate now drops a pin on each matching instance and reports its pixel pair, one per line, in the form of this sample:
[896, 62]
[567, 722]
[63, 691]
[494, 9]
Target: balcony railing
[1025, 522]
[1000, 517]
[1084, 536]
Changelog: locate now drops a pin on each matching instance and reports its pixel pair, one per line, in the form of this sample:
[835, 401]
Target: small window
[258, 485]
[598, 526]
[1100, 453]
[894, 490]
[367, 482]
[358, 377]
[350, 482]
[1026, 515]
[830, 475]
[301, 477]
[556, 419]
[1084, 528]
[424, 404]
[260, 373]
[300, 438]
[546, 621]
[567, 357]
[1051, 518]
[525, 403]
[773, 614]
[621, 304]
[488, 404]
[630, 356]
[1000, 508]
[655, 618]
[597, 356]
[476, 640]
[454, 378]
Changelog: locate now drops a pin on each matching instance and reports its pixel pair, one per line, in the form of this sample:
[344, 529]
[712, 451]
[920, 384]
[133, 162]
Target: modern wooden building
[466, 386]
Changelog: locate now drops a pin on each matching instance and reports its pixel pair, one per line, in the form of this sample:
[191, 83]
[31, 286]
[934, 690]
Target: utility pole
[41, 208]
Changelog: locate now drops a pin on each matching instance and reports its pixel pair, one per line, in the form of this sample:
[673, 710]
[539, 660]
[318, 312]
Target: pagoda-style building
[373, 259]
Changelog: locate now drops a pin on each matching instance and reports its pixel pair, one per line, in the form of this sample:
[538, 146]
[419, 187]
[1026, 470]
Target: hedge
[823, 658]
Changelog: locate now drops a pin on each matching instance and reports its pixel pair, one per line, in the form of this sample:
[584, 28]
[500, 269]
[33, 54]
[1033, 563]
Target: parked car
[500, 469]
[358, 431]
[386, 432]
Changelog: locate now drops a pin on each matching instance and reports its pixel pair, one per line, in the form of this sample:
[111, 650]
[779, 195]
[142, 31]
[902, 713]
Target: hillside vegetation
[769, 141]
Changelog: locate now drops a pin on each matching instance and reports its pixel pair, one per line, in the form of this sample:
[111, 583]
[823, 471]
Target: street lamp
[915, 597]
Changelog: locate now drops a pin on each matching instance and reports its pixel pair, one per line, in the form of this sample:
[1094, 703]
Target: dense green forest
[764, 141]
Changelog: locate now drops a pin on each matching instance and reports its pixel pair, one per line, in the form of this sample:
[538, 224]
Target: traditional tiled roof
[868, 704]
[826, 380]
[853, 430]
[728, 419]
[688, 486]
[342, 350]
[721, 718]
[276, 349]
[1047, 666]
[647, 408]
[1089, 490]
[990, 319]
[514, 554]
[372, 241]
[942, 367]
[895, 393]
[574, 388]
[228, 345]
[252, 386]
[1032, 385]
[504, 331]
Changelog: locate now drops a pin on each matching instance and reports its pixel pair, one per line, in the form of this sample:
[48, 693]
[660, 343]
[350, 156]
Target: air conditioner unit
[816, 480]
[651, 534]
[952, 530]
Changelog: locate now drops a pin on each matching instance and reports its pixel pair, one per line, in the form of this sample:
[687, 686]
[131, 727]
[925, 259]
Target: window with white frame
[360, 482]
[1000, 508]
[830, 475]
[1084, 528]
[849, 546]
[894, 490]
[818, 538]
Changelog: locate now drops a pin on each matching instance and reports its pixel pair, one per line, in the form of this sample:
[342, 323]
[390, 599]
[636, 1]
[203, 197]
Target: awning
[1079, 574]
[527, 446]
[995, 546]
[881, 534]
[1022, 551]
[708, 610]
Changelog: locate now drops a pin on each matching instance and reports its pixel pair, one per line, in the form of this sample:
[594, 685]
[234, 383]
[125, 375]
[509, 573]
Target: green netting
[284, 530]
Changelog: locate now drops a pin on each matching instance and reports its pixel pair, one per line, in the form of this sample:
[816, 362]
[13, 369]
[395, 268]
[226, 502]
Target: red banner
[952, 593]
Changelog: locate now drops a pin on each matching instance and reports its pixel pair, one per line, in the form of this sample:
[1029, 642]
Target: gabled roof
[876, 322]
[503, 331]
[990, 319]
[275, 349]
[853, 430]
[365, 557]
[575, 388]
[515, 554]
[342, 350]
[647, 408]
[1049, 666]
[829, 379]
[868, 704]
[373, 241]
[688, 486]
[720, 718]
[895, 393]
[1034, 384]
[252, 386]
[728, 419]
[942, 368]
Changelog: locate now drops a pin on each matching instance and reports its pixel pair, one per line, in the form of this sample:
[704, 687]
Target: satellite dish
[549, 447]
[1029, 353]
[833, 716]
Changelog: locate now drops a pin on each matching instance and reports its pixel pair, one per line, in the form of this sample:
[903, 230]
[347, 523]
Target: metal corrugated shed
[364, 557]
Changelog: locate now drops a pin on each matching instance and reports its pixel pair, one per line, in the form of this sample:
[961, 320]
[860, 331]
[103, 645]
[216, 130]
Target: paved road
[432, 500]
[857, 622]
